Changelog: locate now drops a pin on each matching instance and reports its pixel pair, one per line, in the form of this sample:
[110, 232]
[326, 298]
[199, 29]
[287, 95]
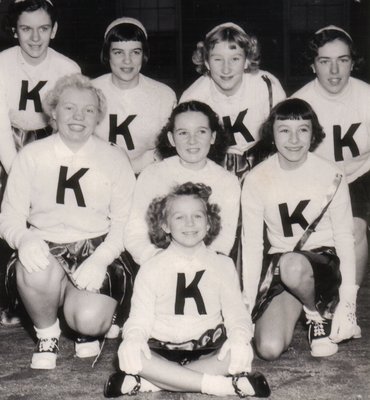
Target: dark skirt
[118, 281]
[327, 276]
[191, 350]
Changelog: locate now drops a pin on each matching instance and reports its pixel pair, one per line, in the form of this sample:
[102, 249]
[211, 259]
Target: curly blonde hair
[76, 81]
[156, 215]
[228, 34]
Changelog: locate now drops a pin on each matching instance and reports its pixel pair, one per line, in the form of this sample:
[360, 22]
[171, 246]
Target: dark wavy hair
[124, 33]
[319, 40]
[292, 109]
[218, 148]
[16, 9]
[157, 213]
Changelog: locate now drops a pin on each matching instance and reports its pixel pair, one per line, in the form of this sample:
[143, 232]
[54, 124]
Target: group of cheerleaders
[231, 173]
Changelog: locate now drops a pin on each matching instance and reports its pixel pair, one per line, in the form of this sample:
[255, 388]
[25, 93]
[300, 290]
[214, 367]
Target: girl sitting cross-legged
[188, 329]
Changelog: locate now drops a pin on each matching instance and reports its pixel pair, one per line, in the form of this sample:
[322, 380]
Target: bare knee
[269, 349]
[295, 269]
[87, 319]
[44, 281]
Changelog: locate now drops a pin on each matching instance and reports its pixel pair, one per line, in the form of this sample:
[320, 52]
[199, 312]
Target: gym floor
[295, 376]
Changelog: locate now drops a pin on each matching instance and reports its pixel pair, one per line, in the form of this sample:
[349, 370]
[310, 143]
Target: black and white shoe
[87, 346]
[114, 383]
[256, 380]
[45, 354]
[318, 337]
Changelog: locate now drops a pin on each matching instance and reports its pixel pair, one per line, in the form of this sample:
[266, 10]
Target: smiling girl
[235, 88]
[138, 106]
[342, 104]
[188, 329]
[189, 142]
[66, 202]
[28, 71]
[287, 192]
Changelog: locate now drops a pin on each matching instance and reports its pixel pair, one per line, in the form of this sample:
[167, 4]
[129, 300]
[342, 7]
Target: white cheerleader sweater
[288, 201]
[23, 88]
[243, 112]
[135, 116]
[178, 297]
[158, 180]
[345, 118]
[65, 197]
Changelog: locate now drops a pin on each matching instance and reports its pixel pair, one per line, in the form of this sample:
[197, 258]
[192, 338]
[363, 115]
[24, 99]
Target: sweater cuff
[134, 334]
[240, 335]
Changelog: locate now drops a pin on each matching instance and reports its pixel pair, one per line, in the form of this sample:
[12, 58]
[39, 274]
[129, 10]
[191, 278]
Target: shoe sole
[325, 354]
[87, 350]
[87, 355]
[42, 367]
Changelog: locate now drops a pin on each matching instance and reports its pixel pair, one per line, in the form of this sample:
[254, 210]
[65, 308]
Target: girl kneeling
[306, 207]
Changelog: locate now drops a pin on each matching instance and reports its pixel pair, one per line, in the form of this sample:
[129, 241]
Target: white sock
[49, 332]
[312, 315]
[147, 386]
[217, 385]
[130, 382]
[245, 386]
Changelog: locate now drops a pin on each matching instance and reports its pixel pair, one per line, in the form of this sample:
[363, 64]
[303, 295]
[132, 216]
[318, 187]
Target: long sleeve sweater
[23, 88]
[135, 116]
[178, 297]
[345, 118]
[288, 201]
[243, 112]
[158, 179]
[64, 196]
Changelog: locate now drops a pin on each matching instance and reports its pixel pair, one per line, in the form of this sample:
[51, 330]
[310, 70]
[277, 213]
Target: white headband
[225, 25]
[48, 1]
[126, 20]
[334, 28]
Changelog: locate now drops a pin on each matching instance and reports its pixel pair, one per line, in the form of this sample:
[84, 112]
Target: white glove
[90, 275]
[241, 356]
[344, 325]
[33, 252]
[129, 355]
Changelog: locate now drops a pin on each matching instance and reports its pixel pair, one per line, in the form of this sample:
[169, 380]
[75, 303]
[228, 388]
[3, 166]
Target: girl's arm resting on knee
[341, 218]
[138, 327]
[241, 355]
[90, 274]
[33, 252]
[344, 324]
[15, 208]
[133, 346]
[238, 324]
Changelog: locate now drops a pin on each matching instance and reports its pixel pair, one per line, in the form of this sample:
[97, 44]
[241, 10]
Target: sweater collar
[199, 253]
[62, 150]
